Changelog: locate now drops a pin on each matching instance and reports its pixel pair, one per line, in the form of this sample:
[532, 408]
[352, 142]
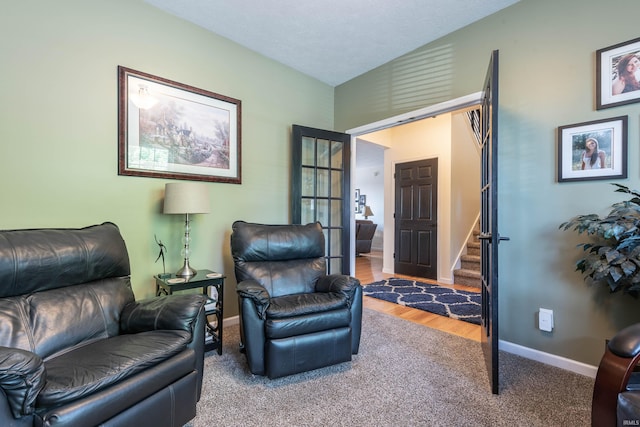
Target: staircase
[469, 272]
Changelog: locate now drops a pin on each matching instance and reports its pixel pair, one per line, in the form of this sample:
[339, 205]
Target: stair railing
[473, 116]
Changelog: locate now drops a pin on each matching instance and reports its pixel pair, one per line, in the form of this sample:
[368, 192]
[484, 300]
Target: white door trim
[411, 116]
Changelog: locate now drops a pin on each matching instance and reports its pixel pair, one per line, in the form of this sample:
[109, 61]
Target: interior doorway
[379, 133]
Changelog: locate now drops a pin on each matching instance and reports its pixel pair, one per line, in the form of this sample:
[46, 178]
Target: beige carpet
[405, 375]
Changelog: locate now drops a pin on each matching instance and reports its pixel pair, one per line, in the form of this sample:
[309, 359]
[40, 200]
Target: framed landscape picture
[170, 130]
[618, 74]
[593, 150]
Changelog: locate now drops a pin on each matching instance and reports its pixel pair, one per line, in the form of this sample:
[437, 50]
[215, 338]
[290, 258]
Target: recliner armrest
[257, 293]
[340, 283]
[626, 343]
[170, 312]
[22, 376]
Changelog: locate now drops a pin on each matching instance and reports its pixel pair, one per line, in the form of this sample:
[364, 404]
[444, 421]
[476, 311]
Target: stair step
[470, 262]
[473, 248]
[467, 277]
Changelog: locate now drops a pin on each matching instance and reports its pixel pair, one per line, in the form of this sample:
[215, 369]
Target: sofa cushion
[95, 366]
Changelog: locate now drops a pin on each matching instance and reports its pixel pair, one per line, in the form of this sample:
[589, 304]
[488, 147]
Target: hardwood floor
[369, 269]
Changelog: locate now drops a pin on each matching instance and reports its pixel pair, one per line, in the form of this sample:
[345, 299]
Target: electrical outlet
[545, 320]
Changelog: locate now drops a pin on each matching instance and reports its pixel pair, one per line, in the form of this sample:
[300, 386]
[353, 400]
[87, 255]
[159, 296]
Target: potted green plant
[613, 256]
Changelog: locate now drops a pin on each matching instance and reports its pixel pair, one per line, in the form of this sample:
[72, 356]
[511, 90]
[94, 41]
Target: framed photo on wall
[593, 150]
[170, 130]
[618, 74]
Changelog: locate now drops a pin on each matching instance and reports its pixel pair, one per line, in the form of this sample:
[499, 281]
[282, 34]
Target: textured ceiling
[332, 40]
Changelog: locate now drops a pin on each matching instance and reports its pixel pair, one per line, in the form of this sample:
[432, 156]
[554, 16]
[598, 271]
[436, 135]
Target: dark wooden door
[321, 175]
[416, 218]
[489, 236]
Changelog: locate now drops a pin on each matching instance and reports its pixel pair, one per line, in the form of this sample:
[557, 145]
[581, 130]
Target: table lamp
[186, 198]
[367, 212]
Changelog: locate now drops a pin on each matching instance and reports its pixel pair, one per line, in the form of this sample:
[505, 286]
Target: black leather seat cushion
[299, 314]
[95, 366]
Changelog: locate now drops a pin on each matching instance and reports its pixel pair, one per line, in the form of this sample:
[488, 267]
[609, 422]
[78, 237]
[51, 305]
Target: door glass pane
[326, 241]
[308, 151]
[323, 183]
[335, 265]
[336, 211]
[336, 183]
[322, 213]
[308, 211]
[324, 154]
[335, 244]
[308, 182]
[336, 154]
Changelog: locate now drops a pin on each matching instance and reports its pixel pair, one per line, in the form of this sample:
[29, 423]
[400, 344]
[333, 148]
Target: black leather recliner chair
[77, 350]
[293, 316]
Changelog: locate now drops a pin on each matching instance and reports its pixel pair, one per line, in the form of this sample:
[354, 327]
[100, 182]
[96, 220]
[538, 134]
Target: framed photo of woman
[618, 74]
[593, 150]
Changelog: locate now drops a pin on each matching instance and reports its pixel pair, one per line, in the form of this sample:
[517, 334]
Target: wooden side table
[202, 279]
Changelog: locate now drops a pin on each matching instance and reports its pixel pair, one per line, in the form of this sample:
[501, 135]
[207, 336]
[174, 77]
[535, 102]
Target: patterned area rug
[440, 300]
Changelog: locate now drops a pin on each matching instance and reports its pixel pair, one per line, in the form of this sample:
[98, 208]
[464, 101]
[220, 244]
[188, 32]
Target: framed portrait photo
[593, 150]
[618, 74]
[167, 129]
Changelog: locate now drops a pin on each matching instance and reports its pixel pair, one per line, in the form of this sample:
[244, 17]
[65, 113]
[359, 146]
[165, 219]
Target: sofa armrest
[338, 283]
[22, 376]
[251, 289]
[171, 312]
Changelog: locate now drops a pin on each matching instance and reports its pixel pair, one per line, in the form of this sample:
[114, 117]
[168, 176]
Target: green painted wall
[547, 79]
[59, 129]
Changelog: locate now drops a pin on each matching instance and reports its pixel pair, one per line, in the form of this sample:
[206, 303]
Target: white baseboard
[549, 359]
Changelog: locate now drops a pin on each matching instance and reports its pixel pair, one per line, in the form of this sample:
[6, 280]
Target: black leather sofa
[76, 349]
[293, 316]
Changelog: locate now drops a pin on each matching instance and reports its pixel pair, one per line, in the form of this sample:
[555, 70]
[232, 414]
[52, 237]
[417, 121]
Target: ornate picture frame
[171, 130]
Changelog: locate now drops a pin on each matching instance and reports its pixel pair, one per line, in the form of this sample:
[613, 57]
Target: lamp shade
[186, 198]
[367, 211]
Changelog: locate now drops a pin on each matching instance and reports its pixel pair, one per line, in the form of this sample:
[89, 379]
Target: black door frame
[344, 227]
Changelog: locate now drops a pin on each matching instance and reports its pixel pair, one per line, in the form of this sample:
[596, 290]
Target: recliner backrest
[285, 259]
[40, 259]
[56, 320]
[60, 288]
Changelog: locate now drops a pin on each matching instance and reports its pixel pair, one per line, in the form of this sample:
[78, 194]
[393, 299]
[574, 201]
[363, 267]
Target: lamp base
[186, 270]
